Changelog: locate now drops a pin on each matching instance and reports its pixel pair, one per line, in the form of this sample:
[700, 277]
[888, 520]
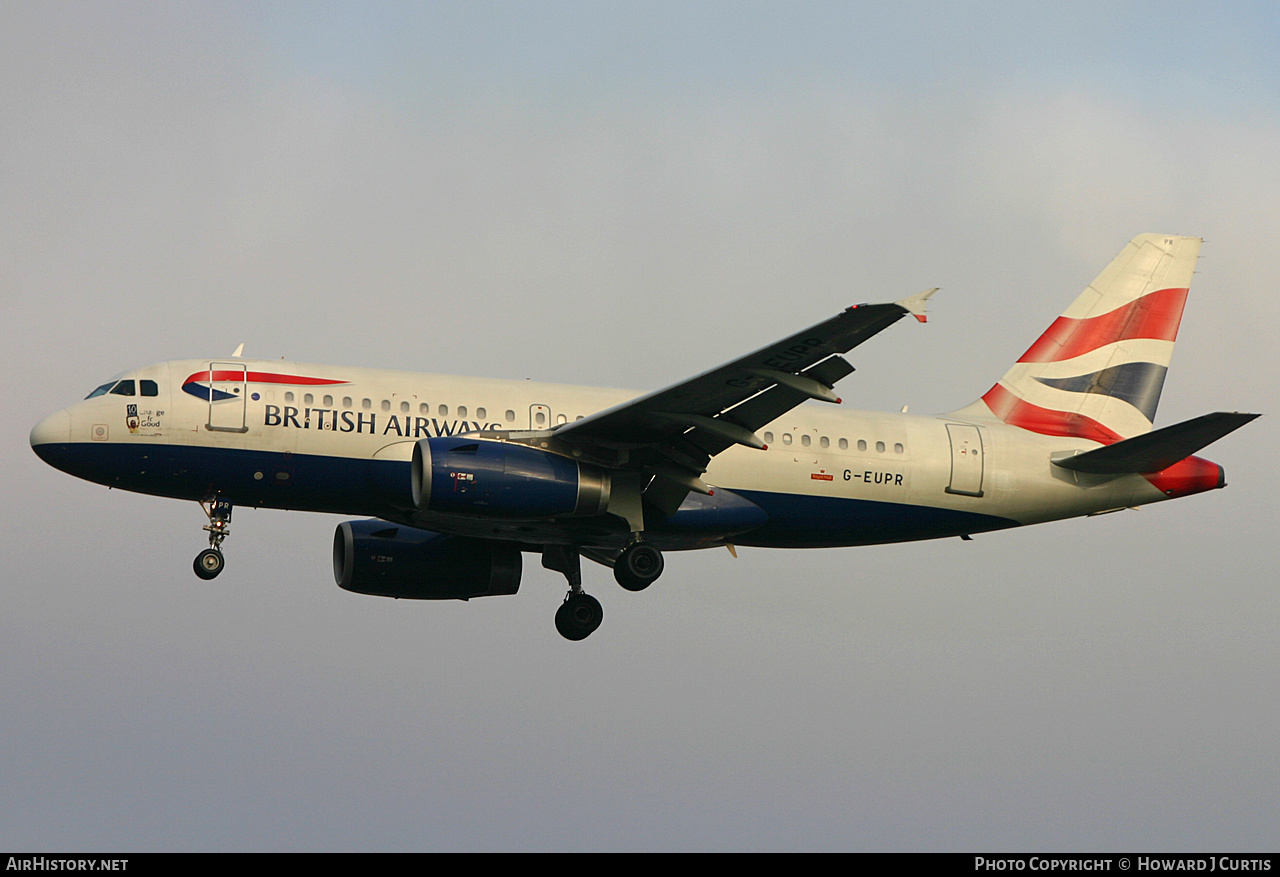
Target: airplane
[457, 477]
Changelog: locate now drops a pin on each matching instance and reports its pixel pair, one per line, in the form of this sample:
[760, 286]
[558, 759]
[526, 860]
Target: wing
[673, 433]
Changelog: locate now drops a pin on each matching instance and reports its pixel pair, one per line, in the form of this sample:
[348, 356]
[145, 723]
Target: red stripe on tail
[1021, 413]
[1155, 315]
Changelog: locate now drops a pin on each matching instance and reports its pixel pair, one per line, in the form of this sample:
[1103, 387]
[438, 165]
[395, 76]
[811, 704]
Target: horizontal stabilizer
[1159, 449]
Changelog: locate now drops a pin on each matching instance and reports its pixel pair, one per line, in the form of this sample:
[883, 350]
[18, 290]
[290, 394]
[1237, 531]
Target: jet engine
[470, 476]
[387, 560]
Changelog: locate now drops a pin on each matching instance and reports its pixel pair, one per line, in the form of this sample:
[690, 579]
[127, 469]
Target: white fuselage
[305, 436]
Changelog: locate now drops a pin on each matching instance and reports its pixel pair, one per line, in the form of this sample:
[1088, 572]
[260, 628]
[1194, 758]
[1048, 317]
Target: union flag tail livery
[461, 477]
[1097, 372]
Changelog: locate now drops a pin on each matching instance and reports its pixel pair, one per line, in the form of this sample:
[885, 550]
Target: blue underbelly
[380, 488]
[797, 521]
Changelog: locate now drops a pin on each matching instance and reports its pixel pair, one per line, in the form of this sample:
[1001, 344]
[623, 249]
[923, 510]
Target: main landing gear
[578, 616]
[580, 613]
[209, 563]
[637, 567]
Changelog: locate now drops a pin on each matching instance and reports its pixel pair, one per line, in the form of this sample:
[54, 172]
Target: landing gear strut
[638, 566]
[580, 613]
[209, 563]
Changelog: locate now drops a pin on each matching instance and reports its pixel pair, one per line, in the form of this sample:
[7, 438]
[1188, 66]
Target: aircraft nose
[54, 429]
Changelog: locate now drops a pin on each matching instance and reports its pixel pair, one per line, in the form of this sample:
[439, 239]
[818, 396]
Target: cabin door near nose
[228, 387]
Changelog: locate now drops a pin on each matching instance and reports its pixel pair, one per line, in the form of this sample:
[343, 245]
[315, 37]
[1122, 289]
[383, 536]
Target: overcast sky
[628, 194]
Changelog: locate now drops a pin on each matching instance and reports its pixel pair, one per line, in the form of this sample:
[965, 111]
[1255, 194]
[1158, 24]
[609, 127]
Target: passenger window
[328, 401]
[462, 410]
[404, 407]
[386, 404]
[511, 416]
[879, 447]
[805, 440]
[346, 401]
[862, 444]
[424, 408]
[124, 388]
[481, 413]
[366, 404]
[768, 438]
[824, 442]
[898, 448]
[308, 399]
[149, 388]
[560, 418]
[844, 444]
[288, 397]
[786, 438]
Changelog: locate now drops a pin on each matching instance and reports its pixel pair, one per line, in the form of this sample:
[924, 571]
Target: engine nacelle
[471, 476]
[387, 560]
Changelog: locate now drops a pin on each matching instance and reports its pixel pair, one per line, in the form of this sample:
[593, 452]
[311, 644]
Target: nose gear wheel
[209, 563]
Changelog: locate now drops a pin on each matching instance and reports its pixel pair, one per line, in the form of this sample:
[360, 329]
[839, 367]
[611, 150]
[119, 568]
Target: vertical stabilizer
[1097, 372]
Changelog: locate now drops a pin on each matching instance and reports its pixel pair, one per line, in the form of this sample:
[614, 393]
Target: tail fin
[1098, 370]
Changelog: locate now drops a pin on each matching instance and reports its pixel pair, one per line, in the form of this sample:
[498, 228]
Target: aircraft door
[539, 417]
[228, 388]
[966, 459]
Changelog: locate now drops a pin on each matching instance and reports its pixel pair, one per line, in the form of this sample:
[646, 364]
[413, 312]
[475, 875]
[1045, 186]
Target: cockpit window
[127, 388]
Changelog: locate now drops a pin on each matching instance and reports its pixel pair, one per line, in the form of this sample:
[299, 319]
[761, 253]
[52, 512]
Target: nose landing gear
[209, 563]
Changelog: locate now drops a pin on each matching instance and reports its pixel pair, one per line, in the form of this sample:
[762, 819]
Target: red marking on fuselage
[258, 378]
[1188, 476]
